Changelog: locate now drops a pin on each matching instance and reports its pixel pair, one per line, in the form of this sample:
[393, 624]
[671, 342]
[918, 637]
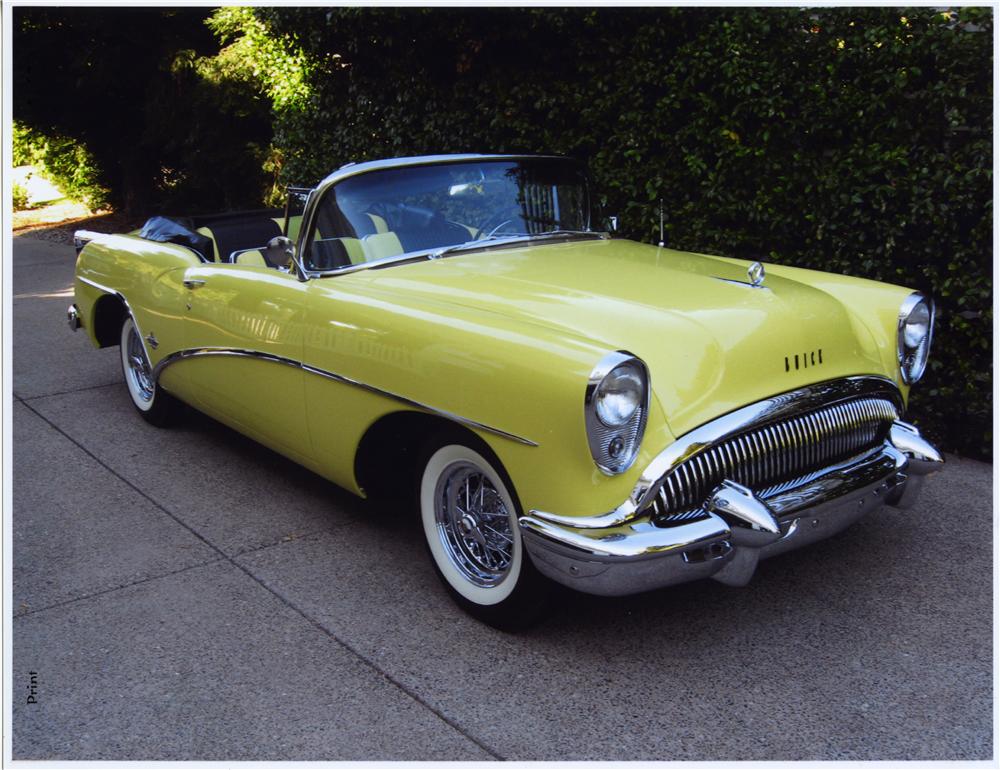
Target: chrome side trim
[776, 407]
[128, 307]
[180, 355]
[99, 286]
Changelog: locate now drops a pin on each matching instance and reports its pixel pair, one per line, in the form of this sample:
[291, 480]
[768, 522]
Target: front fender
[505, 373]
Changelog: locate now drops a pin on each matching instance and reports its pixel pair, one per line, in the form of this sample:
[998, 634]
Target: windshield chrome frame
[349, 170]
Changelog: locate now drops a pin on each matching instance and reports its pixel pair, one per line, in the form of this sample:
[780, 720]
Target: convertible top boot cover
[167, 230]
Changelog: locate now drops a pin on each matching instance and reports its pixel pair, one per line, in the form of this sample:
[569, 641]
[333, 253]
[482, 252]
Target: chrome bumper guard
[73, 317]
[738, 528]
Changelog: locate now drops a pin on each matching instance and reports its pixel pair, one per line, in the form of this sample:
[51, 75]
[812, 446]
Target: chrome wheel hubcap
[138, 367]
[474, 524]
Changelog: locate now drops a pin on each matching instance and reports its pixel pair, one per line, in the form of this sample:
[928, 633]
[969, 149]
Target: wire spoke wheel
[473, 524]
[156, 407]
[469, 516]
[138, 369]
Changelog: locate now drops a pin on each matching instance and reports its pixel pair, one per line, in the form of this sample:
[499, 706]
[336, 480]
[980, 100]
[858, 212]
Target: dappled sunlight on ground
[62, 293]
[40, 190]
[51, 227]
[60, 212]
[49, 206]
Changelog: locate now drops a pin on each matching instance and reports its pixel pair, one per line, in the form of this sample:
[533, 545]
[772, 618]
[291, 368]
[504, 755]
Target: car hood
[711, 341]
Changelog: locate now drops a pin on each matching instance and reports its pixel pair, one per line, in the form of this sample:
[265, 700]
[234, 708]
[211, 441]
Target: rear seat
[251, 259]
[228, 237]
[246, 239]
[333, 253]
[232, 236]
[381, 245]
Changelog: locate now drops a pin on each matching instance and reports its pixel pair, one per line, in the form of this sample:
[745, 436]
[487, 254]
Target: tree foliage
[855, 140]
[65, 162]
[132, 93]
[19, 197]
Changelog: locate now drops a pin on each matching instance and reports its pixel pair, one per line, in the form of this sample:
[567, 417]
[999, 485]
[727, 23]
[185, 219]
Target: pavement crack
[368, 662]
[68, 392]
[283, 541]
[416, 697]
[103, 591]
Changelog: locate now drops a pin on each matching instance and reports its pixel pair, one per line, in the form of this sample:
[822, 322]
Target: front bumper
[640, 556]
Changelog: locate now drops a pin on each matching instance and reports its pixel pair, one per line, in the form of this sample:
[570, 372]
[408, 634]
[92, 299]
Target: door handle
[194, 283]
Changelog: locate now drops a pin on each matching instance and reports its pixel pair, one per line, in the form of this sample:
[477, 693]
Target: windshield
[417, 209]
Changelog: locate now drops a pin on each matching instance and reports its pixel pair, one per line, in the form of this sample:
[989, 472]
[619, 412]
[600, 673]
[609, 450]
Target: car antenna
[662, 242]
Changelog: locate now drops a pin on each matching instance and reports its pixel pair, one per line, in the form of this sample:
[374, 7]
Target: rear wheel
[469, 520]
[156, 407]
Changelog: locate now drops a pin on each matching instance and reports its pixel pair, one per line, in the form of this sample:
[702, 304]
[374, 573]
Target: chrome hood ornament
[755, 274]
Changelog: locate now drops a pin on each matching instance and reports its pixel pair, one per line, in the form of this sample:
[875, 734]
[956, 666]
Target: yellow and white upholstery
[381, 245]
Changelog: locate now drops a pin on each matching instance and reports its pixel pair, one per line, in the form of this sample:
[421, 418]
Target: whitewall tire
[155, 406]
[469, 520]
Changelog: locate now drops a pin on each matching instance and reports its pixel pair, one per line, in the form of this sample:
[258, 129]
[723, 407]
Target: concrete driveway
[187, 594]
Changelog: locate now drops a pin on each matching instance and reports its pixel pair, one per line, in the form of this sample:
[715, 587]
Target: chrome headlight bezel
[603, 438]
[913, 358]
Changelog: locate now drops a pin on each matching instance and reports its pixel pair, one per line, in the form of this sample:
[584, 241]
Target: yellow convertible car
[558, 404]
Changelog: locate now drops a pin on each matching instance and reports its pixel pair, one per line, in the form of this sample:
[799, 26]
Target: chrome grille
[767, 455]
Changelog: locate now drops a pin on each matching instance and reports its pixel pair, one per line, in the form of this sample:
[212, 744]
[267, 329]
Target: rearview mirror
[280, 251]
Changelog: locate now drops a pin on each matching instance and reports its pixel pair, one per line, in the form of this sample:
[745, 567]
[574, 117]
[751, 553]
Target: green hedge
[19, 197]
[855, 140]
[63, 161]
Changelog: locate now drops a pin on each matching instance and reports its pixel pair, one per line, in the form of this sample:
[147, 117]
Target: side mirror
[280, 251]
[612, 224]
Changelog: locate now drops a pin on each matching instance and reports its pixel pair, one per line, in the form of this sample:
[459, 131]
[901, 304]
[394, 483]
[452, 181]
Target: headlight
[615, 407]
[620, 393]
[916, 327]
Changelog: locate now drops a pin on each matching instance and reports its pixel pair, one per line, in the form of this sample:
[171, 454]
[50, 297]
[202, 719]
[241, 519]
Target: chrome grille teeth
[774, 453]
[742, 460]
[799, 440]
[732, 462]
[687, 486]
[759, 453]
[815, 440]
[828, 427]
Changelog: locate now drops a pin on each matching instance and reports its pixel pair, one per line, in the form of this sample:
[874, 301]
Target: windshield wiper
[557, 233]
[510, 237]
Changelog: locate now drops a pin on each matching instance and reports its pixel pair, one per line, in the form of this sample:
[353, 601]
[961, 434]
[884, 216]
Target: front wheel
[469, 519]
[156, 407]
